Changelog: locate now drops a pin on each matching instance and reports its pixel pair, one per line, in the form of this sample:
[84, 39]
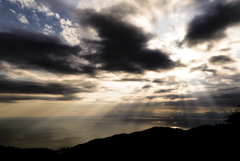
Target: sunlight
[181, 74]
[187, 55]
[116, 65]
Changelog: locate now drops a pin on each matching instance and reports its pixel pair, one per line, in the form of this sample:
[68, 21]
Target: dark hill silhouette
[208, 142]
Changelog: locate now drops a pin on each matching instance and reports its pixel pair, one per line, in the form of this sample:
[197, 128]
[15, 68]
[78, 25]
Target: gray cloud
[151, 97]
[232, 69]
[15, 90]
[211, 25]
[133, 80]
[122, 46]
[15, 99]
[220, 59]
[163, 90]
[27, 87]
[177, 96]
[225, 49]
[205, 99]
[172, 96]
[158, 81]
[32, 50]
[228, 89]
[146, 86]
[203, 68]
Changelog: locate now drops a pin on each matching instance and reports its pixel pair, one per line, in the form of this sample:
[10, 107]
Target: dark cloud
[220, 59]
[146, 86]
[227, 68]
[172, 96]
[204, 68]
[163, 90]
[229, 96]
[168, 80]
[122, 46]
[177, 96]
[31, 50]
[16, 98]
[228, 89]
[158, 81]
[27, 87]
[151, 97]
[230, 99]
[211, 25]
[133, 80]
[225, 49]
[16, 90]
[235, 78]
[204, 99]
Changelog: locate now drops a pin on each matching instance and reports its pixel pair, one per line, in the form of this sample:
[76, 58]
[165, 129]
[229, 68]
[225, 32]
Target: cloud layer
[14, 90]
[26, 87]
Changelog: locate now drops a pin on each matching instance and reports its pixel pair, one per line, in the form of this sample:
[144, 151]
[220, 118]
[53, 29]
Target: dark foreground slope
[208, 142]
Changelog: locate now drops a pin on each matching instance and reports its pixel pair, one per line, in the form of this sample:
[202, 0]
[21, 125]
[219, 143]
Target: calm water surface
[57, 132]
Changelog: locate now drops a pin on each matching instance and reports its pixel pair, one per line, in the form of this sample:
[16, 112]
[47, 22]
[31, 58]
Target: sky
[126, 64]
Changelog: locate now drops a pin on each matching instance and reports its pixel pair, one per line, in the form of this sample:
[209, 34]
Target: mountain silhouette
[208, 142]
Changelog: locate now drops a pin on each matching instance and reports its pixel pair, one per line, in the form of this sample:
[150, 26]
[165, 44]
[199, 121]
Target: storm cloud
[211, 25]
[32, 50]
[122, 46]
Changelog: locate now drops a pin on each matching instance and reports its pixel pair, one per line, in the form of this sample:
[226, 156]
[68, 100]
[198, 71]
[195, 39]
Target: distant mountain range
[208, 142]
